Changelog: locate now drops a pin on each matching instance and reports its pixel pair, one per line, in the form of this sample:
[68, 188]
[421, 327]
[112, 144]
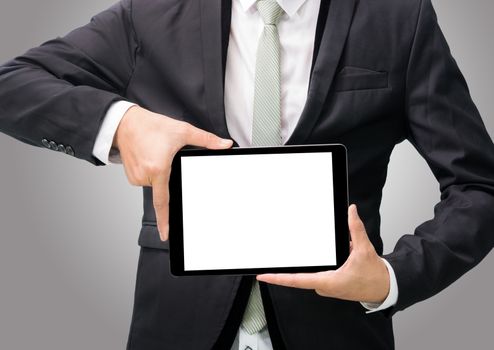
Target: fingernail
[225, 142]
[353, 210]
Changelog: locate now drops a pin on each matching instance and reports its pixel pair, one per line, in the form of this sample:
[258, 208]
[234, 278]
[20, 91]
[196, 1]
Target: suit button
[45, 143]
[61, 148]
[53, 146]
[69, 151]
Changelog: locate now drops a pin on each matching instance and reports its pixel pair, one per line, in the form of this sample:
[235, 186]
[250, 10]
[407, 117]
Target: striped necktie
[266, 125]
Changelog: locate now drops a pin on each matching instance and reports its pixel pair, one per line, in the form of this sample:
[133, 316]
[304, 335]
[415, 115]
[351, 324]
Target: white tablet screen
[257, 211]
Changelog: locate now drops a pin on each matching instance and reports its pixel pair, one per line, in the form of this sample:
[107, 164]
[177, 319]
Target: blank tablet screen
[247, 211]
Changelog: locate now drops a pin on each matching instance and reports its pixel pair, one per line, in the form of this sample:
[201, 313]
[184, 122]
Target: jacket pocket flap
[149, 237]
[355, 78]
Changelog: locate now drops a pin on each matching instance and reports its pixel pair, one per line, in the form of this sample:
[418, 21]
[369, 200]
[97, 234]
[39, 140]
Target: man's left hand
[363, 277]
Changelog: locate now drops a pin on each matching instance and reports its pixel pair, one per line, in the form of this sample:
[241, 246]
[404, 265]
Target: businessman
[146, 78]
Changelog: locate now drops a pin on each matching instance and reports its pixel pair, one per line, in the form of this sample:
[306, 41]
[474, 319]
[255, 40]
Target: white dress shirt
[297, 29]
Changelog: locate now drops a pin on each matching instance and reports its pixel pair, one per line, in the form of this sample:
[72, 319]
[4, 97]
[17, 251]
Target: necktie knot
[270, 11]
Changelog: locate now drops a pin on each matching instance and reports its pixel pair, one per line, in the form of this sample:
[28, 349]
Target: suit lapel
[333, 40]
[212, 23]
[215, 27]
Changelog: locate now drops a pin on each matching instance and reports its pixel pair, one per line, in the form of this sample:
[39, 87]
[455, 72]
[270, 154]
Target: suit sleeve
[446, 129]
[61, 90]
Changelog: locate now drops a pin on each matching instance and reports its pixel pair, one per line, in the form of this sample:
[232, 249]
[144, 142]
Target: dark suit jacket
[383, 73]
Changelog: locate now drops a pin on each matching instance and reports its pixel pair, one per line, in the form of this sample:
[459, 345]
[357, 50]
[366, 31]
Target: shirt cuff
[392, 297]
[102, 148]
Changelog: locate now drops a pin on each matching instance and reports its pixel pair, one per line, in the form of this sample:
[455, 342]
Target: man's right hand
[147, 143]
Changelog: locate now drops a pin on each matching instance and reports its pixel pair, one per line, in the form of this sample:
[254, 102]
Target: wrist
[123, 126]
[385, 282]
[392, 295]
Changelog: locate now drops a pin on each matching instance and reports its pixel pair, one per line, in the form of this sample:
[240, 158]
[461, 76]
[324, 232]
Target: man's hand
[363, 277]
[147, 143]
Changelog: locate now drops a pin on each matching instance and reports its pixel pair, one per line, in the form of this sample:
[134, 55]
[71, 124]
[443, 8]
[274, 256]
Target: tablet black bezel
[340, 192]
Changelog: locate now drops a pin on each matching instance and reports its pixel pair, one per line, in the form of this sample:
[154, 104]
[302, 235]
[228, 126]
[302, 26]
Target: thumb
[198, 137]
[356, 226]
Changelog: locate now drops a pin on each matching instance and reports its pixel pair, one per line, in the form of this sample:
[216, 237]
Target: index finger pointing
[161, 198]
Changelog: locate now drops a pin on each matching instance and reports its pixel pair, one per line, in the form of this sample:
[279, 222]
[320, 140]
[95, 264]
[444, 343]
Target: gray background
[60, 289]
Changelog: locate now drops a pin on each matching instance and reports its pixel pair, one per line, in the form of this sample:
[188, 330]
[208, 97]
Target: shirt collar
[289, 6]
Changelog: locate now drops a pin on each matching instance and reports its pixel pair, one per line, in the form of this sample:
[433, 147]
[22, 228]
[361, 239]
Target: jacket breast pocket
[356, 78]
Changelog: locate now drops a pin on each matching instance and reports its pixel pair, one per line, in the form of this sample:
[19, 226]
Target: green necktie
[266, 125]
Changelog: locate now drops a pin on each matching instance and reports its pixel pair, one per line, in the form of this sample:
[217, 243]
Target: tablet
[256, 210]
